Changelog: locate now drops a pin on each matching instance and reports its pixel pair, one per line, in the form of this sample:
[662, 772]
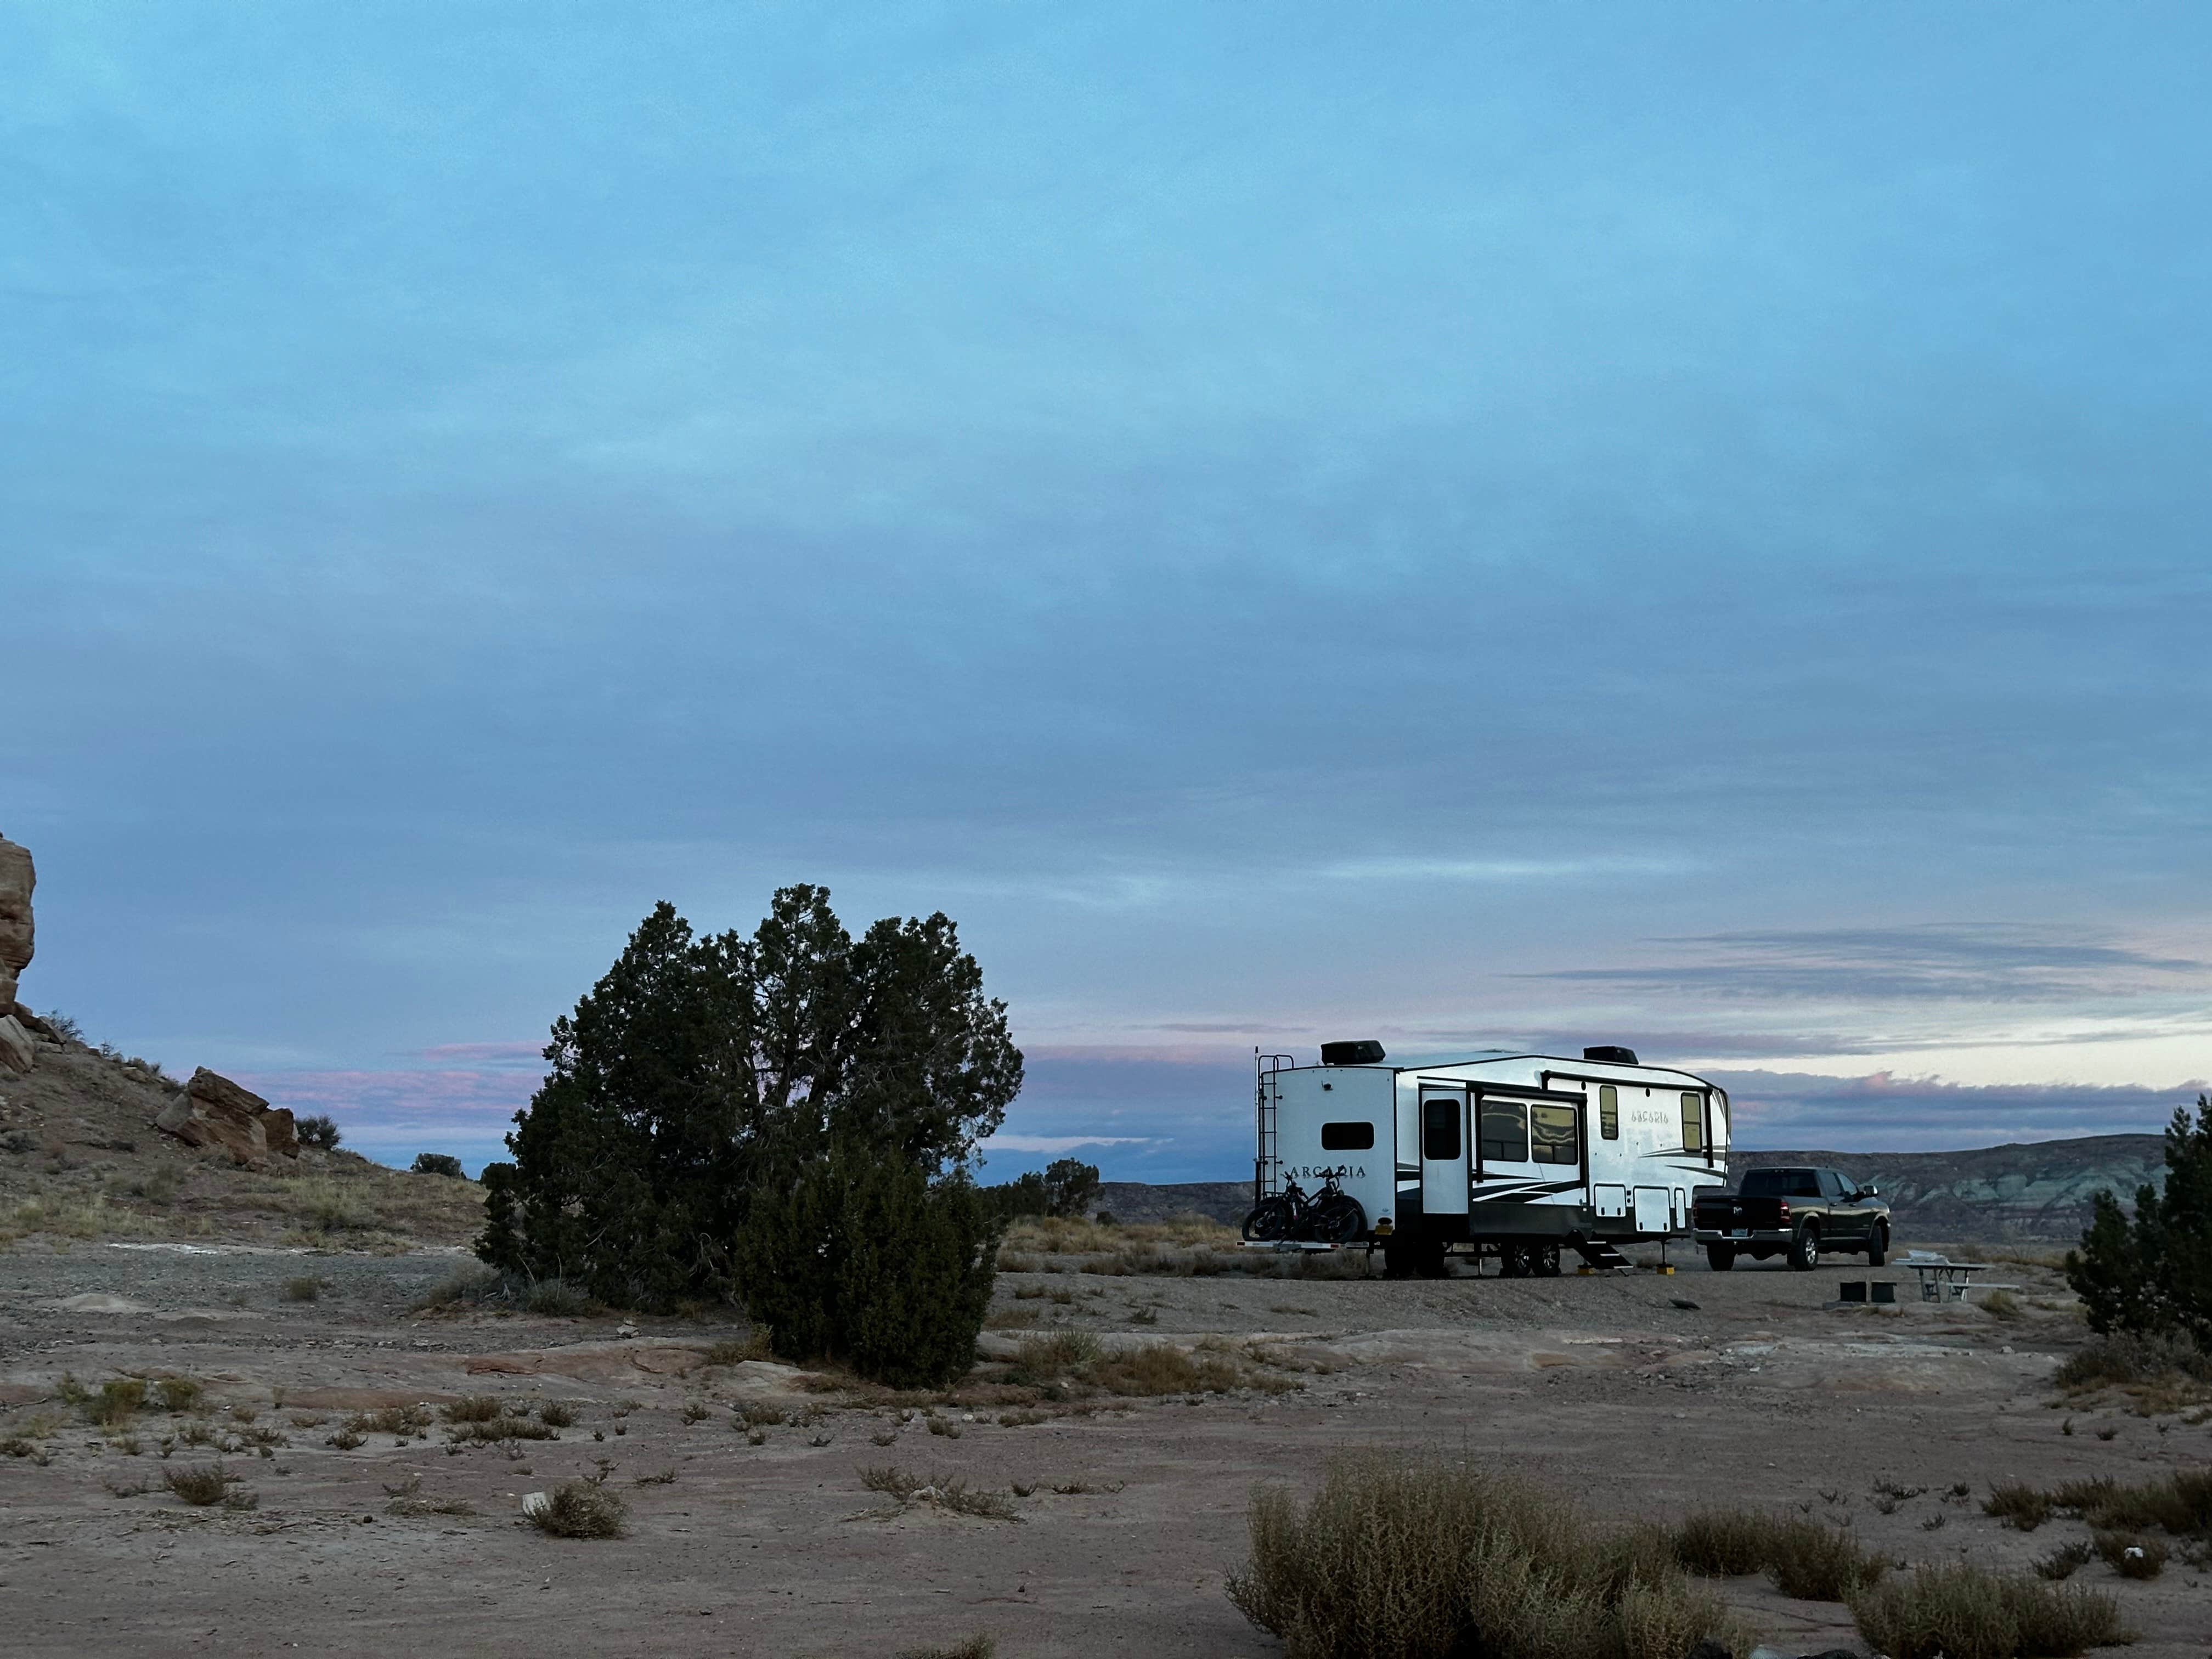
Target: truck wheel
[1878, 1252]
[1805, 1249]
[1720, 1257]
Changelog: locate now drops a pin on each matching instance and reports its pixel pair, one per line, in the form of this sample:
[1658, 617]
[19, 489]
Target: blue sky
[1529, 525]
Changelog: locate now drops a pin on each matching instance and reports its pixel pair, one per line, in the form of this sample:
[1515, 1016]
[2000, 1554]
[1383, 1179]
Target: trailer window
[1693, 1123]
[1440, 1128]
[1608, 1112]
[1347, 1137]
[1551, 1134]
[1505, 1132]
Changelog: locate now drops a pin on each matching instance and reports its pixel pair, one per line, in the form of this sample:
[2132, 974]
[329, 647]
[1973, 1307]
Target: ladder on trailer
[1266, 1094]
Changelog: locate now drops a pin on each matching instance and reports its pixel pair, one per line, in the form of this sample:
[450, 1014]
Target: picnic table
[1942, 1280]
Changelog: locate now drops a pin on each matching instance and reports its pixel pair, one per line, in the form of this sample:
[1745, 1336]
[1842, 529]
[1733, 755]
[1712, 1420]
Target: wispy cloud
[1952, 962]
[1063, 1143]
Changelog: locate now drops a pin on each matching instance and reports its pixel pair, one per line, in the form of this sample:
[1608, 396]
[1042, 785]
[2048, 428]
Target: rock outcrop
[17, 877]
[213, 1111]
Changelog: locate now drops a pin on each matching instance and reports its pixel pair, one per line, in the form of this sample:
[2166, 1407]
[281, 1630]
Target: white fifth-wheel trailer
[1515, 1157]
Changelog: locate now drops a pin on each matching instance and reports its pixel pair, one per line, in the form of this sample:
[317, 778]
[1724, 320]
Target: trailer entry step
[1597, 1252]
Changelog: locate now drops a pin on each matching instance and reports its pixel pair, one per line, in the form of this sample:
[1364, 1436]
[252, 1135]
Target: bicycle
[1331, 1216]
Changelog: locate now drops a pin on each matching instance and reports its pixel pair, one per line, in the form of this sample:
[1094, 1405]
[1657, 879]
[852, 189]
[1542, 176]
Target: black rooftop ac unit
[1608, 1054]
[1367, 1052]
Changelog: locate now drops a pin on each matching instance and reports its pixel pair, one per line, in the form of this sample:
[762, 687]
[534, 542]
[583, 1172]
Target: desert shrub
[975, 1647]
[2019, 1506]
[1968, 1612]
[2130, 1555]
[319, 1131]
[731, 1351]
[1806, 1559]
[556, 1414]
[2066, 1560]
[302, 1289]
[1816, 1562]
[1048, 1358]
[1424, 1559]
[199, 1485]
[2125, 1358]
[120, 1400]
[471, 1285]
[157, 1186]
[1159, 1368]
[2001, 1304]
[472, 1408]
[557, 1299]
[2152, 1275]
[438, 1163]
[864, 1260]
[345, 1437]
[2180, 1504]
[582, 1509]
[500, 1429]
[1723, 1543]
[63, 1025]
[391, 1419]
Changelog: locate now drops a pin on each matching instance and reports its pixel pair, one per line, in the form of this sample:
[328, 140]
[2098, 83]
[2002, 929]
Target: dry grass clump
[204, 1485]
[582, 1509]
[2129, 1555]
[1160, 1368]
[2180, 1504]
[557, 1299]
[1723, 1543]
[116, 1401]
[473, 1408]
[975, 1647]
[2020, 1506]
[946, 1491]
[401, 1420]
[305, 1288]
[1049, 1358]
[1429, 1559]
[1968, 1612]
[556, 1413]
[1807, 1559]
[176, 1394]
[2162, 1373]
[499, 1429]
[730, 1350]
[2066, 1560]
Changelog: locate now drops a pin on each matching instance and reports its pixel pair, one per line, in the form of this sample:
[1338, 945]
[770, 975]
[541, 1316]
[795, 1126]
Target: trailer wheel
[1805, 1249]
[1513, 1262]
[1720, 1257]
[1544, 1261]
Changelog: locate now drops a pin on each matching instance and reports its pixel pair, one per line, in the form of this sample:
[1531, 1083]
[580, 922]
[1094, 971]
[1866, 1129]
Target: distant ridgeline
[2034, 1193]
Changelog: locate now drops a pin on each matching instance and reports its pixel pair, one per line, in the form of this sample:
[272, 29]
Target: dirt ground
[1760, 1394]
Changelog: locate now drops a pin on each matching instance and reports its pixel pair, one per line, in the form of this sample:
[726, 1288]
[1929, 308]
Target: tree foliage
[702, 1078]
[2152, 1275]
[1070, 1187]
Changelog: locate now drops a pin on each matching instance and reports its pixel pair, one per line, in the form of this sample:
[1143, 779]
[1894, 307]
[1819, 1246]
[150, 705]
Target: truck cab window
[1552, 1135]
[1608, 1111]
[1440, 1128]
[1505, 1132]
[1693, 1123]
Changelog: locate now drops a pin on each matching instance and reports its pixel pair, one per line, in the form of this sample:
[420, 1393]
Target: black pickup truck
[1797, 1211]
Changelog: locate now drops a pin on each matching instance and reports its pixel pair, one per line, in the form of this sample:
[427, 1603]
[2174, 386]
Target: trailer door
[1444, 1149]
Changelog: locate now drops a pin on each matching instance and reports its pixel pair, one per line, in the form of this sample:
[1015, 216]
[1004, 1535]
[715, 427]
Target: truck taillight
[1784, 1204]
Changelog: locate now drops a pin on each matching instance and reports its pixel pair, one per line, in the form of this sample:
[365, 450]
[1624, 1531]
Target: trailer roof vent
[1607, 1054]
[1367, 1052]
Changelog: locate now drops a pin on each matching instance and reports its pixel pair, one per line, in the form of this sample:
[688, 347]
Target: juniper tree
[2154, 1275]
[702, 1075]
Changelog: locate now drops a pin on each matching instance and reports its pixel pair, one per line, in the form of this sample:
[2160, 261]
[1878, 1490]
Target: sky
[1507, 527]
